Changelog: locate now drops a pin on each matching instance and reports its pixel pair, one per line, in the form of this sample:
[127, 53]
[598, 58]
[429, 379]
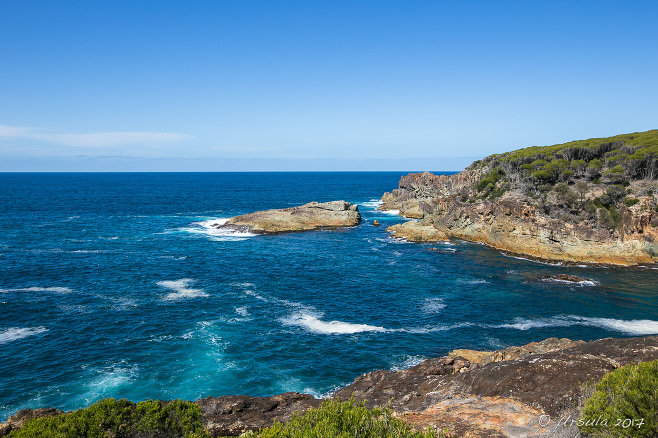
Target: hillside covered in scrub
[589, 201]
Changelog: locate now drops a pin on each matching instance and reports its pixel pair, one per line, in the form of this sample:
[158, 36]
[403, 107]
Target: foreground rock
[311, 216]
[512, 353]
[494, 394]
[503, 398]
[234, 415]
[16, 421]
[415, 231]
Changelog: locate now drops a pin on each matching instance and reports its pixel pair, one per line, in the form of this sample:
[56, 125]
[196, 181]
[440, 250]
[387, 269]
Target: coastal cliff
[590, 201]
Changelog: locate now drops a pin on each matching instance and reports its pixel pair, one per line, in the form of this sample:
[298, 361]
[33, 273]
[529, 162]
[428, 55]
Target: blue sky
[333, 85]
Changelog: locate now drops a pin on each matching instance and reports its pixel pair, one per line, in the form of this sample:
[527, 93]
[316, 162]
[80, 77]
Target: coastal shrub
[624, 404]
[120, 419]
[344, 420]
[631, 201]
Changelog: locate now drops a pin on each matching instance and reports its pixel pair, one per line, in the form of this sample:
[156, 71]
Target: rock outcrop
[415, 231]
[516, 224]
[311, 216]
[495, 394]
[234, 415]
[512, 353]
[16, 421]
[591, 201]
[503, 398]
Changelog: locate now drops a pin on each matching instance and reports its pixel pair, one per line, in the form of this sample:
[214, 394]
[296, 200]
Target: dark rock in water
[375, 223]
[234, 415]
[311, 216]
[16, 421]
[566, 278]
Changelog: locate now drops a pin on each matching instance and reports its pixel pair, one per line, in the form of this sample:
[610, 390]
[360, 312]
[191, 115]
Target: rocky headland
[590, 201]
[311, 216]
[501, 393]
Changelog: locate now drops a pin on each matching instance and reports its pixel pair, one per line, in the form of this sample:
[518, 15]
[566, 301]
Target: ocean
[115, 285]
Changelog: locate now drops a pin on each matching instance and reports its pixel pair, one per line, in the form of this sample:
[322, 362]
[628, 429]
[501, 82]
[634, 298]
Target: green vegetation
[560, 177]
[120, 419]
[335, 419]
[624, 404]
[631, 156]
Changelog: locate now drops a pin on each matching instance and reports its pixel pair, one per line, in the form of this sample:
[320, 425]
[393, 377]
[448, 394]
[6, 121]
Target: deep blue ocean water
[114, 285]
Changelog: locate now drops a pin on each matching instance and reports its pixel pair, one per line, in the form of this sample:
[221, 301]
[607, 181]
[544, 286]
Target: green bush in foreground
[624, 404]
[111, 418]
[335, 419]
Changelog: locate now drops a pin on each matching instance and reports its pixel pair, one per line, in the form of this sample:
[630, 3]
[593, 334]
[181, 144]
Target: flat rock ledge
[415, 231]
[490, 394]
[307, 217]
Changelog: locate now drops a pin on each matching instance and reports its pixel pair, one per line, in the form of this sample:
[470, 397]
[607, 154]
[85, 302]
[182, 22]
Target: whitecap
[433, 305]
[209, 228]
[242, 311]
[16, 333]
[314, 324]
[57, 290]
[251, 293]
[391, 212]
[636, 327]
[181, 290]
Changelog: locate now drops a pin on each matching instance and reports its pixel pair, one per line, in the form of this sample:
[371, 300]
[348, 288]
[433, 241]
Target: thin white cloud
[92, 140]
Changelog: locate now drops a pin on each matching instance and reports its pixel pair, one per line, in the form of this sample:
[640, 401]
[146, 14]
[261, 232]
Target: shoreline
[469, 391]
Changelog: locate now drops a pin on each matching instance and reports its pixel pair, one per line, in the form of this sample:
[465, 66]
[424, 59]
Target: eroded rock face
[311, 216]
[234, 415]
[415, 231]
[513, 223]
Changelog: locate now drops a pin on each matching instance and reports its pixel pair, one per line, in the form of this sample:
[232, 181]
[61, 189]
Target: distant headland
[586, 201]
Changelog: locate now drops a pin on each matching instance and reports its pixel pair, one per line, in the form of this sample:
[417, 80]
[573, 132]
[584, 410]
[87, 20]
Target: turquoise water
[114, 285]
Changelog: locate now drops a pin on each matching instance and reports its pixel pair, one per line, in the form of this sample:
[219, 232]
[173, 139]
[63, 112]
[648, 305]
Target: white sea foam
[407, 362]
[392, 212]
[314, 324]
[572, 283]
[474, 281]
[181, 290]
[242, 311]
[108, 379]
[528, 259]
[15, 333]
[637, 327]
[57, 290]
[209, 228]
[373, 203]
[433, 305]
[251, 293]
[436, 328]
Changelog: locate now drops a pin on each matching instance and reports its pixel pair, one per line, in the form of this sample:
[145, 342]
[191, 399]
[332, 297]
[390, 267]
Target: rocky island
[587, 201]
[311, 216]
